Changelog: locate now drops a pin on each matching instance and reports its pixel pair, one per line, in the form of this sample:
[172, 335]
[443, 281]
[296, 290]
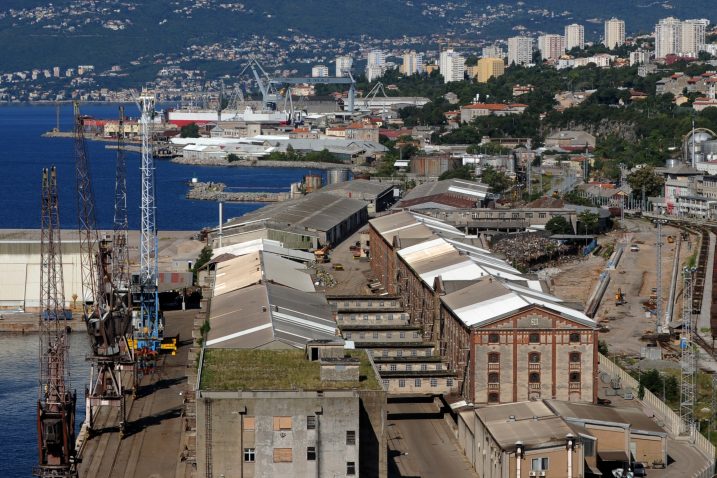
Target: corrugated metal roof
[267, 245]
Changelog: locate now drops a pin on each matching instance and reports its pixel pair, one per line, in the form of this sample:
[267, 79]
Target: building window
[389, 335]
[416, 335]
[541, 215]
[351, 468]
[494, 377]
[390, 316]
[494, 357]
[574, 377]
[401, 382]
[348, 335]
[534, 338]
[249, 455]
[529, 215]
[393, 303]
[534, 377]
[311, 422]
[493, 398]
[417, 382]
[353, 316]
[575, 357]
[449, 382]
[493, 338]
[384, 353]
[434, 382]
[534, 357]
[311, 453]
[282, 423]
[575, 338]
[362, 335]
[249, 423]
[346, 304]
[439, 367]
[399, 353]
[375, 335]
[350, 437]
[539, 464]
[380, 304]
[402, 334]
[424, 367]
[282, 455]
[414, 353]
[392, 367]
[516, 215]
[385, 382]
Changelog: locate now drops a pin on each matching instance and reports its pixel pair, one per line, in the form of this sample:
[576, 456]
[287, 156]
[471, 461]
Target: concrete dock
[153, 445]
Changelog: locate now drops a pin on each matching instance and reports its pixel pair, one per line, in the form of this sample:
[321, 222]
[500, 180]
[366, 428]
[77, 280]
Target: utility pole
[688, 359]
[658, 281]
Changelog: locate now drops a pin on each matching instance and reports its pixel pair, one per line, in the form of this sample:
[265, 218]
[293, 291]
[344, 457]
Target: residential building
[375, 64]
[319, 71]
[489, 68]
[471, 111]
[451, 66]
[520, 51]
[343, 65]
[639, 57]
[681, 38]
[493, 51]
[692, 38]
[551, 46]
[614, 33]
[574, 36]
[412, 63]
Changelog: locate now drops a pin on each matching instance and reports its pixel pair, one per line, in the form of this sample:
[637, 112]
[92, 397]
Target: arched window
[575, 357]
[534, 357]
[494, 357]
[574, 337]
[494, 377]
[574, 377]
[534, 377]
[534, 338]
[493, 398]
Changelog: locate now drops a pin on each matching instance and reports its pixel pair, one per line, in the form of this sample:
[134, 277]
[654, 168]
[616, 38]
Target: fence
[670, 420]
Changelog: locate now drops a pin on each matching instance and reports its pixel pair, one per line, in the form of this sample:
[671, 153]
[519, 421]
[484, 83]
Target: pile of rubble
[524, 251]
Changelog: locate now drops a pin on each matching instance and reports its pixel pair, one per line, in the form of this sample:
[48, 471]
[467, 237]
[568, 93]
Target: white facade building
[493, 51]
[375, 64]
[520, 51]
[614, 33]
[551, 46]
[574, 36]
[319, 71]
[668, 36]
[692, 38]
[451, 65]
[639, 57]
[343, 65]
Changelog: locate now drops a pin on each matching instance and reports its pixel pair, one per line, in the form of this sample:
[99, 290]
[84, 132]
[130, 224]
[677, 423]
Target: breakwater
[217, 192]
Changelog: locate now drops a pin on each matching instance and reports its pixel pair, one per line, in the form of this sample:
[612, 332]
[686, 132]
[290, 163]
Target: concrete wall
[649, 449]
[383, 335]
[220, 417]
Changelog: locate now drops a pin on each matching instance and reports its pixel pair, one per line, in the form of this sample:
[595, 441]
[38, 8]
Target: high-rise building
[375, 64]
[451, 65]
[692, 38]
[639, 57]
[574, 36]
[412, 63]
[343, 65]
[488, 68]
[614, 33]
[319, 71]
[551, 46]
[493, 51]
[520, 50]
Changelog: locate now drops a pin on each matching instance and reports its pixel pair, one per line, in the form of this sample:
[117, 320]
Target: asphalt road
[421, 444]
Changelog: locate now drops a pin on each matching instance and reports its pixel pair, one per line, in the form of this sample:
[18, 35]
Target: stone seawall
[217, 192]
[272, 164]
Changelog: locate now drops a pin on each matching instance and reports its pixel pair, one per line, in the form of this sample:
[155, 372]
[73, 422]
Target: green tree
[588, 222]
[189, 131]
[205, 255]
[231, 157]
[559, 225]
[646, 179]
[497, 180]
[461, 172]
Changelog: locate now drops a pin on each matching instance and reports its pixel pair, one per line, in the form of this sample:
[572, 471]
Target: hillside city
[499, 260]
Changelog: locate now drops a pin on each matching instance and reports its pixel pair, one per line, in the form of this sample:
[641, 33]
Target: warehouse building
[379, 196]
[446, 195]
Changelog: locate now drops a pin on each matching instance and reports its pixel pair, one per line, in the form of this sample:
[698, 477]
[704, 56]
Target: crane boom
[56, 403]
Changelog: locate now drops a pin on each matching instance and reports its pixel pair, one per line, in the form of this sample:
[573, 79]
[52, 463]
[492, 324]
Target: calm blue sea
[23, 154]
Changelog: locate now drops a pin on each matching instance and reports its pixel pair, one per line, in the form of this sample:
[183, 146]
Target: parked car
[634, 248]
[638, 469]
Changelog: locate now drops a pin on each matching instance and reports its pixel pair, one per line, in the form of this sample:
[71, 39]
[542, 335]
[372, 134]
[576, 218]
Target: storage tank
[312, 182]
[339, 175]
[672, 163]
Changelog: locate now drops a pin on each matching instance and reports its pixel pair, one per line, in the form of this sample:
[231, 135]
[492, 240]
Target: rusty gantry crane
[105, 296]
[56, 403]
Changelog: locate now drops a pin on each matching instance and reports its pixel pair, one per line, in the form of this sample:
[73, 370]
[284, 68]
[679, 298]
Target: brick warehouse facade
[506, 341]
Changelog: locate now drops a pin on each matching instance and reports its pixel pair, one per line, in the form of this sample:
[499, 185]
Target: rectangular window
[249, 423]
[282, 455]
[399, 353]
[351, 468]
[353, 316]
[414, 353]
[350, 437]
[348, 335]
[449, 382]
[424, 366]
[434, 382]
[417, 382]
[282, 423]
[311, 453]
[402, 334]
[390, 316]
[392, 367]
[362, 335]
[539, 464]
[409, 367]
[311, 422]
[389, 335]
[541, 215]
[375, 335]
[385, 382]
[249, 455]
[365, 316]
[401, 382]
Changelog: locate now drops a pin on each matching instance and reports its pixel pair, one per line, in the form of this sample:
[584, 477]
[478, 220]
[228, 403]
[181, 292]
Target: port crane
[56, 402]
[105, 301]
